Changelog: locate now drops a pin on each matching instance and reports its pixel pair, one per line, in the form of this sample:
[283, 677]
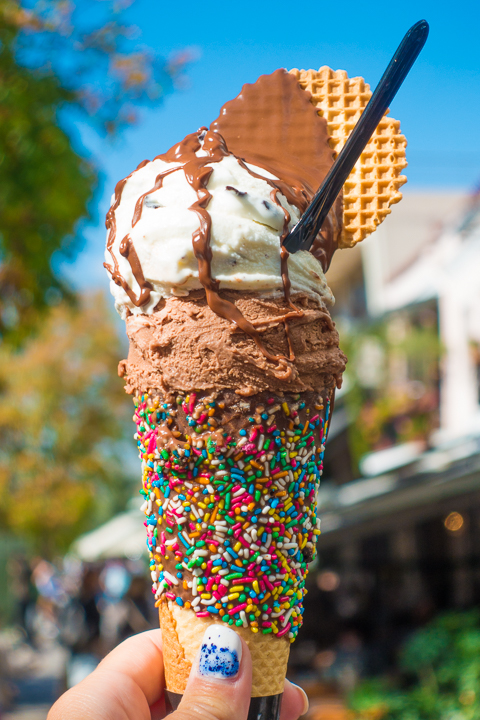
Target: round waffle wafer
[373, 185]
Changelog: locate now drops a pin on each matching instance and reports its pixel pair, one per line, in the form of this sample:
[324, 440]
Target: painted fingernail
[306, 702]
[220, 654]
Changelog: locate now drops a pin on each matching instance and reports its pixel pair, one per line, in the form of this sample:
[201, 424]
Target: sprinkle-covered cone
[231, 522]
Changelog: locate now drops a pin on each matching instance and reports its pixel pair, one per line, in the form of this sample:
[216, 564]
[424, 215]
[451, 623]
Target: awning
[123, 536]
[429, 486]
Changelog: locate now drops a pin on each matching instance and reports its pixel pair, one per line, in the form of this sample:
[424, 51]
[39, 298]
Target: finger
[139, 658]
[220, 681]
[294, 702]
[123, 686]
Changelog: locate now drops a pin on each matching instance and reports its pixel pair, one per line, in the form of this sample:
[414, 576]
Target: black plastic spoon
[301, 237]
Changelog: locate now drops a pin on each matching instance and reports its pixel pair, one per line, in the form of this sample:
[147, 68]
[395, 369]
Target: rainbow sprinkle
[231, 519]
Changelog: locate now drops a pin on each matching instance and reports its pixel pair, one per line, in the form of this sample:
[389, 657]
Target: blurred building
[401, 523]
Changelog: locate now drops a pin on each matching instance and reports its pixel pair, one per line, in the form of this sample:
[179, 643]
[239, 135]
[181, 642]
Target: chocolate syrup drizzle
[126, 250]
[272, 124]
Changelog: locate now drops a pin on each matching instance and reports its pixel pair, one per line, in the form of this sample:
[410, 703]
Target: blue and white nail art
[220, 653]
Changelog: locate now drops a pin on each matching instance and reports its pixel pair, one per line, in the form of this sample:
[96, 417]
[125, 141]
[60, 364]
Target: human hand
[129, 685]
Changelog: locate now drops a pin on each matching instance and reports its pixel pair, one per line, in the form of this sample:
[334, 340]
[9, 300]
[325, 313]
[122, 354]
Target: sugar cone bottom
[182, 633]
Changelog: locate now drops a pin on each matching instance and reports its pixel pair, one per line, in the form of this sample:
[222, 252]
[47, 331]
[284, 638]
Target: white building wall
[445, 267]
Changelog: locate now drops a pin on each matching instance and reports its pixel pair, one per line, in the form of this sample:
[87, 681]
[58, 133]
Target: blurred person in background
[80, 623]
[24, 592]
[51, 597]
[115, 582]
[139, 609]
[124, 606]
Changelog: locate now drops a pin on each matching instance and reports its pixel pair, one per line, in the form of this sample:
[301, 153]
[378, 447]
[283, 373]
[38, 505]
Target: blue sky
[235, 42]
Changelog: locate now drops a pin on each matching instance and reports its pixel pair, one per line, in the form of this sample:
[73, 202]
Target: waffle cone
[182, 633]
[373, 184]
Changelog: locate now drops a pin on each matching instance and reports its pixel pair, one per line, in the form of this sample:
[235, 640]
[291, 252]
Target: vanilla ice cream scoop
[150, 253]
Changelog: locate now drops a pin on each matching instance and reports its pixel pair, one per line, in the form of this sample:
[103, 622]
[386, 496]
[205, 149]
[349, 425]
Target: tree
[393, 376]
[64, 422]
[46, 187]
[440, 676]
[54, 58]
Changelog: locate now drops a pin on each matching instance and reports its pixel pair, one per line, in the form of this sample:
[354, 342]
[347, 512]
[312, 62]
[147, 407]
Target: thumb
[220, 681]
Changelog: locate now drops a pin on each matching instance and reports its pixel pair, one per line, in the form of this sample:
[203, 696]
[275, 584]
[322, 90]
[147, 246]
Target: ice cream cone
[233, 363]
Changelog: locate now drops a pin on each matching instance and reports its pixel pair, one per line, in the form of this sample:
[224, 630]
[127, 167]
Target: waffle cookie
[373, 185]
